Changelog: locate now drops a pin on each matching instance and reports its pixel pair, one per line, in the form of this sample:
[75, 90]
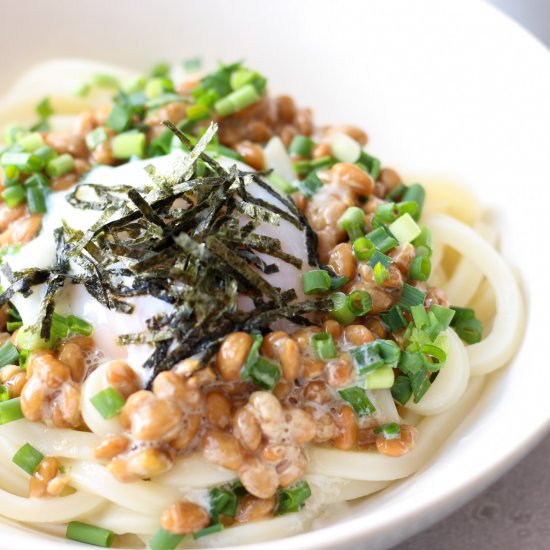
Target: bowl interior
[451, 92]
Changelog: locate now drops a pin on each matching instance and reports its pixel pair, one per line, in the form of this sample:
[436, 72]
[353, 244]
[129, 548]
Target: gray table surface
[514, 513]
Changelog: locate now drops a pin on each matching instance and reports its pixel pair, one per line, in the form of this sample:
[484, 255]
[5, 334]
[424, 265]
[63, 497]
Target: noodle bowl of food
[226, 321]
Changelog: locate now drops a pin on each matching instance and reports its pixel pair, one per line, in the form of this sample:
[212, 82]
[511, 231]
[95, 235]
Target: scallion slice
[14, 195]
[420, 384]
[359, 302]
[59, 166]
[28, 458]
[466, 325]
[128, 144]
[10, 410]
[224, 501]
[252, 356]
[363, 248]
[98, 136]
[382, 239]
[163, 540]
[310, 185]
[292, 498]
[340, 309]
[323, 344]
[36, 200]
[8, 354]
[378, 257]
[405, 229]
[380, 273]
[79, 326]
[264, 373]
[411, 296]
[89, 534]
[108, 402]
[358, 400]
[315, 281]
[389, 431]
[352, 222]
[401, 390]
[301, 146]
[421, 268]
[214, 528]
[344, 148]
[4, 393]
[415, 193]
[381, 378]
[394, 318]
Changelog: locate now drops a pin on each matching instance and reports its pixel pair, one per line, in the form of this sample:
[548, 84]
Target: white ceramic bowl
[447, 90]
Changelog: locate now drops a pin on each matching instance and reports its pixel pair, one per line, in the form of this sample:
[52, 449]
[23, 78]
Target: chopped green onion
[128, 144]
[4, 393]
[12, 134]
[108, 402]
[31, 142]
[310, 185]
[280, 183]
[374, 355]
[12, 326]
[104, 80]
[301, 146]
[45, 154]
[161, 145]
[303, 167]
[378, 257]
[8, 354]
[11, 175]
[410, 363]
[436, 353]
[60, 166]
[381, 378]
[237, 100]
[382, 239]
[389, 431]
[225, 151]
[10, 410]
[24, 358]
[315, 281]
[466, 325]
[380, 273]
[28, 458]
[352, 222]
[79, 326]
[358, 400]
[401, 390]
[134, 85]
[252, 356]
[405, 229]
[240, 78]
[59, 329]
[214, 528]
[424, 241]
[359, 302]
[444, 315]
[89, 534]
[420, 316]
[323, 344]
[98, 136]
[44, 109]
[394, 318]
[372, 164]
[344, 148]
[421, 268]
[29, 338]
[119, 118]
[14, 195]
[411, 296]
[36, 200]
[195, 113]
[340, 309]
[265, 374]
[363, 248]
[26, 162]
[155, 87]
[164, 540]
[292, 498]
[415, 193]
[224, 501]
[397, 192]
[420, 384]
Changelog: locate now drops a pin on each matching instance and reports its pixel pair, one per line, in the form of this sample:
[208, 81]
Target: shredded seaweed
[188, 238]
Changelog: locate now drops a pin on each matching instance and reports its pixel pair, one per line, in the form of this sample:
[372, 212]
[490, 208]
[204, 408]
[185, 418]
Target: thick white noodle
[450, 383]
[50, 441]
[122, 520]
[145, 497]
[466, 278]
[195, 472]
[501, 343]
